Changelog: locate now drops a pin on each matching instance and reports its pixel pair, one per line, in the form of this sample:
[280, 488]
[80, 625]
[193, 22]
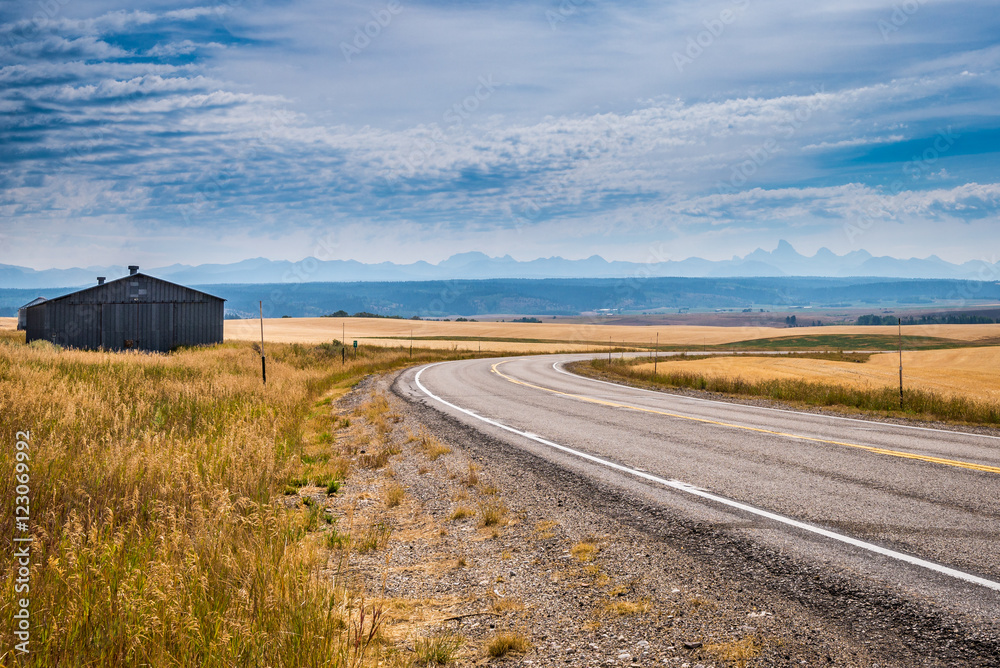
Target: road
[915, 511]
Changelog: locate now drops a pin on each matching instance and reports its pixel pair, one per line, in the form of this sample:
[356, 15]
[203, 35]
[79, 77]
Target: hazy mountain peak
[784, 260]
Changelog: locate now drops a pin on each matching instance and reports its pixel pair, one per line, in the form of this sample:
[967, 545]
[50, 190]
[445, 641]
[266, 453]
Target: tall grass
[158, 535]
[884, 400]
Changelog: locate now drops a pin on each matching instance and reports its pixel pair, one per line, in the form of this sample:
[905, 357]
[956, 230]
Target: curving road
[913, 510]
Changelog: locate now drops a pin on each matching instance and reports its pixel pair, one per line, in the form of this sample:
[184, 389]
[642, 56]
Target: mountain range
[782, 261]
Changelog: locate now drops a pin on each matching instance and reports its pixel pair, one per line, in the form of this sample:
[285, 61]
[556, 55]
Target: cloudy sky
[163, 132]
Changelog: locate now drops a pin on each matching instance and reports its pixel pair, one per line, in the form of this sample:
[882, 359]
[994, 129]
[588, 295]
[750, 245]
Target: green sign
[355, 344]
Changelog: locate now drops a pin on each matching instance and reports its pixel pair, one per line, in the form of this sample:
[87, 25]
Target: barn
[136, 312]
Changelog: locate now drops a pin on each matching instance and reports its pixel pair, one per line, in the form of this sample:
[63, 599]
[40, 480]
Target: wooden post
[411, 342]
[900, 363]
[656, 358]
[263, 360]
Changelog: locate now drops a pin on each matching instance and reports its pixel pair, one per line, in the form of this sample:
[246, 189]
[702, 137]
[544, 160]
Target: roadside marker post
[263, 360]
[900, 363]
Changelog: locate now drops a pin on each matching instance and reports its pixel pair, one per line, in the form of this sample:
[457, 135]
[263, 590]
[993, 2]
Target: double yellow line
[869, 448]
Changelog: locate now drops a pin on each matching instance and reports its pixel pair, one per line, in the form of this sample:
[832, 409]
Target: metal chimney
[100, 280]
[133, 269]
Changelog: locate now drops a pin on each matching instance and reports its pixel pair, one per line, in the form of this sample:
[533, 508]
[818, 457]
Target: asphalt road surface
[911, 510]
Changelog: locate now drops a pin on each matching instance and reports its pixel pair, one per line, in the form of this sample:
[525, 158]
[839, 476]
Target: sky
[155, 133]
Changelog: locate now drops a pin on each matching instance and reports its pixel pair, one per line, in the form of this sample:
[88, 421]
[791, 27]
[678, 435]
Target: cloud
[483, 121]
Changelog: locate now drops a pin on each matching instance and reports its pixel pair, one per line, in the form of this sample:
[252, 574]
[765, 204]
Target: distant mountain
[782, 261]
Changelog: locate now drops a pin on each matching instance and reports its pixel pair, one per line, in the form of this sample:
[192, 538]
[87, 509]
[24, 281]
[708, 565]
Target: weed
[736, 652]
[492, 512]
[488, 490]
[507, 604]
[546, 529]
[333, 487]
[374, 460]
[624, 608]
[504, 643]
[394, 495]
[431, 446]
[376, 537]
[460, 513]
[338, 541]
[437, 650]
[584, 551]
[471, 476]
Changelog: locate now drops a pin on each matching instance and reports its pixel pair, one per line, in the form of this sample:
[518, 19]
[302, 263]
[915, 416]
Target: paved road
[914, 510]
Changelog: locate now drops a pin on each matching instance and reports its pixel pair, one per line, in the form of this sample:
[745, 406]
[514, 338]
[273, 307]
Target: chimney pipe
[100, 280]
[133, 269]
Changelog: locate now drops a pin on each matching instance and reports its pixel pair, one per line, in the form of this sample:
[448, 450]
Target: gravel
[659, 590]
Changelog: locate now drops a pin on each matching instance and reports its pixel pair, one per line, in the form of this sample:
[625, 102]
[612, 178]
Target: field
[962, 372]
[549, 336]
[158, 489]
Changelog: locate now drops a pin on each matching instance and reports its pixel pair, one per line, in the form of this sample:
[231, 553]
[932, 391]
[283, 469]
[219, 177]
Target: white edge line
[558, 367]
[691, 489]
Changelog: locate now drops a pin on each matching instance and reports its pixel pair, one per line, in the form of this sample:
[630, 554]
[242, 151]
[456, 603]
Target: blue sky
[400, 130]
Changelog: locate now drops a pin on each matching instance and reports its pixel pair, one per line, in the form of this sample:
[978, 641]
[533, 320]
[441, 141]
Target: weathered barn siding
[135, 312]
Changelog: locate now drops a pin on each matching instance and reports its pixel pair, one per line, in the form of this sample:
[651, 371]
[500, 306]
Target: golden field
[159, 486]
[555, 335]
[575, 337]
[962, 372]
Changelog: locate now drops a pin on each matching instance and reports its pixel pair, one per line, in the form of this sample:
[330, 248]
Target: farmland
[584, 336]
[961, 372]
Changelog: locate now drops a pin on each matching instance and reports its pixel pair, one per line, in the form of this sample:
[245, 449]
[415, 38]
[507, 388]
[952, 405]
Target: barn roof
[36, 300]
[103, 286]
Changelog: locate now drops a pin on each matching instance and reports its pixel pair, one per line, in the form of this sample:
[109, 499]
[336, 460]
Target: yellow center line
[869, 448]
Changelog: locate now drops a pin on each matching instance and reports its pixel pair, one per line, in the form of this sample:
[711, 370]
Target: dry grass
[393, 495]
[736, 652]
[472, 476]
[962, 372]
[460, 513]
[437, 650]
[504, 605]
[585, 551]
[625, 608]
[546, 529]
[431, 446]
[507, 642]
[492, 512]
[156, 480]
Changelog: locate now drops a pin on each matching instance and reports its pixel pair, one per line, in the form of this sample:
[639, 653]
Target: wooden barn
[136, 312]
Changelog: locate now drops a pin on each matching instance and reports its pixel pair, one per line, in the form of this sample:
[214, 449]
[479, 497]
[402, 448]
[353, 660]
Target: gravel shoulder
[589, 576]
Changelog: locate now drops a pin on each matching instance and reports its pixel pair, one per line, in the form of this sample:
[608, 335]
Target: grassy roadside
[161, 535]
[881, 401]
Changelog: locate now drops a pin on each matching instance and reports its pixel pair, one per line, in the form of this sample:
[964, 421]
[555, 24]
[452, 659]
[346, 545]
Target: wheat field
[963, 372]
[546, 336]
[156, 483]
[578, 337]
